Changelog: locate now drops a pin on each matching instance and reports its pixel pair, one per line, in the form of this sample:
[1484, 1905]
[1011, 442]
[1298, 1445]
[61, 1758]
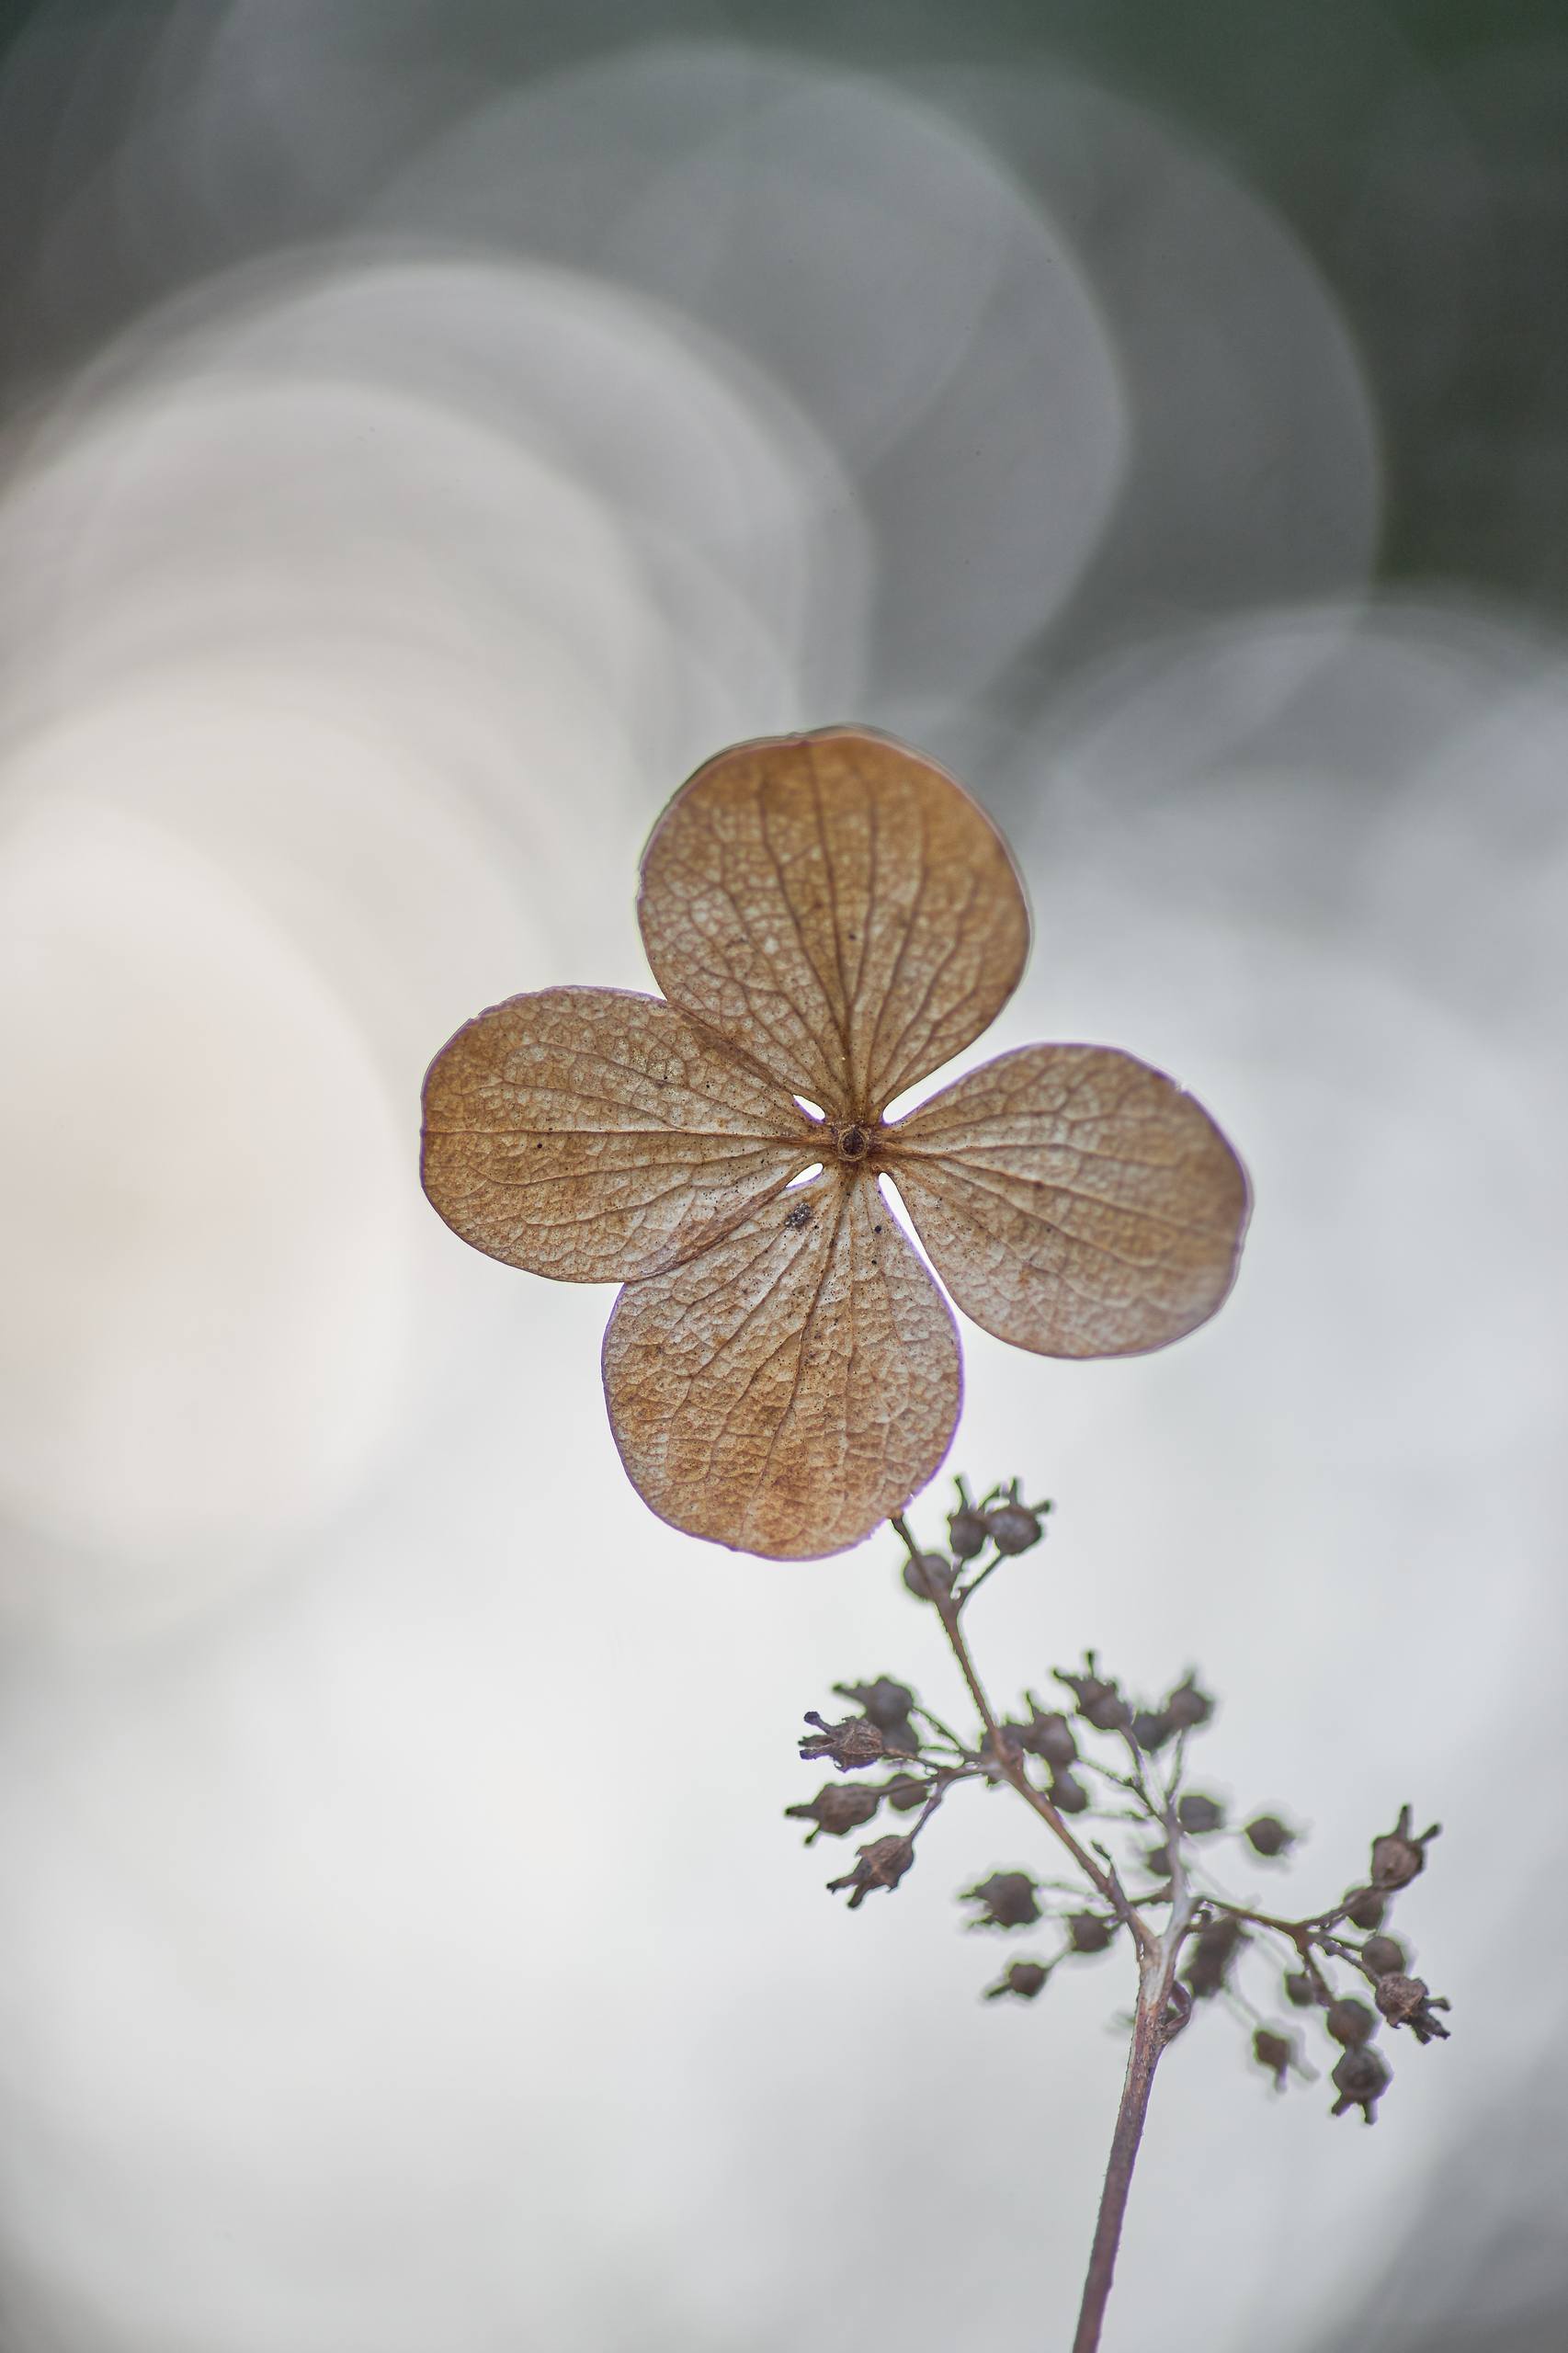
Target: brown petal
[838, 907]
[794, 1385]
[1074, 1200]
[594, 1135]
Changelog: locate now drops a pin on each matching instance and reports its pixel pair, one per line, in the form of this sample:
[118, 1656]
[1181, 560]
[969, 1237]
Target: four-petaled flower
[831, 918]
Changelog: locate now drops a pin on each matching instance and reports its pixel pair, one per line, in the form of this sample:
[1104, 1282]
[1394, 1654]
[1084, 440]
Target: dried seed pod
[1384, 1956]
[1360, 2078]
[837, 1807]
[1087, 1932]
[1067, 1793]
[1404, 2001]
[1199, 1815]
[1267, 1835]
[881, 1864]
[1187, 1707]
[929, 1576]
[1299, 1990]
[1152, 1729]
[886, 1702]
[1275, 2051]
[1012, 1526]
[1397, 1857]
[966, 1532]
[1099, 1700]
[1047, 1735]
[850, 1746]
[1350, 2021]
[1157, 1862]
[904, 1792]
[1008, 1898]
[1212, 1951]
[1365, 1907]
[1024, 1978]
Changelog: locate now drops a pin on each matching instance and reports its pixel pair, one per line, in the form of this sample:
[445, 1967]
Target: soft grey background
[429, 432]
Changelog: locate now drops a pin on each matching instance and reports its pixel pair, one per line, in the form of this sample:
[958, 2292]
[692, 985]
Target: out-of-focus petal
[837, 907]
[1074, 1200]
[594, 1135]
[794, 1385]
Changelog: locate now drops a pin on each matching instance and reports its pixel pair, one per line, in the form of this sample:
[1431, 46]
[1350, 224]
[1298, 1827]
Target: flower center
[854, 1142]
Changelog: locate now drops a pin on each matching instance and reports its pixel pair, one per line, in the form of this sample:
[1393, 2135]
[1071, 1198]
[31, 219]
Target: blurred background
[427, 429]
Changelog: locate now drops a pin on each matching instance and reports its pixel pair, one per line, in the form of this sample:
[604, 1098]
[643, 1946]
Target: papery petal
[594, 1135]
[1074, 1200]
[837, 907]
[795, 1384]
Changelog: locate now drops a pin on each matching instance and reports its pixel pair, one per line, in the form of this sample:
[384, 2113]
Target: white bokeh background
[406, 1951]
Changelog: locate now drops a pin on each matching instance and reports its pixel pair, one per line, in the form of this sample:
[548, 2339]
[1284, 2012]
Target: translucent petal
[1074, 1200]
[837, 907]
[594, 1135]
[794, 1385]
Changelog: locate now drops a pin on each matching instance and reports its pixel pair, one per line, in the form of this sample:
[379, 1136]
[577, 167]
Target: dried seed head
[1099, 1700]
[1187, 1707]
[1360, 2078]
[1047, 1735]
[929, 1576]
[1384, 1956]
[1157, 1862]
[886, 1702]
[850, 1745]
[1152, 1729]
[1275, 2051]
[1349, 2021]
[1404, 2001]
[1024, 1978]
[1008, 1898]
[1209, 1957]
[1364, 1908]
[1087, 1932]
[1012, 1526]
[1067, 1793]
[1199, 1815]
[966, 1532]
[837, 1806]
[1299, 1990]
[904, 1792]
[1267, 1835]
[881, 1864]
[1397, 1856]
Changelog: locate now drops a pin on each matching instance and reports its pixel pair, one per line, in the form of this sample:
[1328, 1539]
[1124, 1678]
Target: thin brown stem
[1143, 2057]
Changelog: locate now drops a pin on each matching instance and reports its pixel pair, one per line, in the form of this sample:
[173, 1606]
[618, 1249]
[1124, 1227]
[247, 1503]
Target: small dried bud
[881, 1864]
[1187, 1707]
[904, 1792]
[1025, 1978]
[1047, 1735]
[1099, 1700]
[1299, 1990]
[1360, 2078]
[1151, 1730]
[1087, 1932]
[1008, 1898]
[1404, 2001]
[1013, 1528]
[1384, 1956]
[1397, 1856]
[850, 1745]
[887, 1705]
[1157, 1861]
[1199, 1815]
[1012, 1745]
[1364, 1908]
[929, 1576]
[1349, 2021]
[966, 1530]
[1209, 1962]
[1067, 1793]
[1267, 1835]
[1275, 2051]
[837, 1806]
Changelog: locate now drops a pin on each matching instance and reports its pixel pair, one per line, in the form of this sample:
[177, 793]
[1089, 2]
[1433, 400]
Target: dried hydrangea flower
[831, 918]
